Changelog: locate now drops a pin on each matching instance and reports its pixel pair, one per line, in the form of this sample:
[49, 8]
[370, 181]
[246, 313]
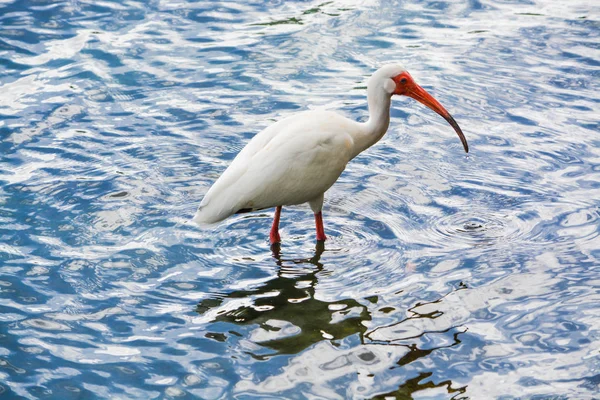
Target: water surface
[445, 276]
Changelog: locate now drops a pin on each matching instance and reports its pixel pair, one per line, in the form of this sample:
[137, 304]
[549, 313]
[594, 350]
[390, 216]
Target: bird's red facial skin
[404, 83]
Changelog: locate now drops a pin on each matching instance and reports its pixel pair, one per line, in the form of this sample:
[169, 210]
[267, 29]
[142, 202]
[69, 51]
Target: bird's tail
[207, 214]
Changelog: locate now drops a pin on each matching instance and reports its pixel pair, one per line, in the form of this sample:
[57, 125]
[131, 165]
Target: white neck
[372, 131]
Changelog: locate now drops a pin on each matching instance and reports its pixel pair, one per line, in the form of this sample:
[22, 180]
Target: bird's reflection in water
[291, 320]
[285, 307]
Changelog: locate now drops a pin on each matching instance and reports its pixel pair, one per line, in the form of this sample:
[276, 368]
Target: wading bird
[296, 160]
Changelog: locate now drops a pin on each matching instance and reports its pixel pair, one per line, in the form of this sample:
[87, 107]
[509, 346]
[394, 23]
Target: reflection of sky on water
[444, 277]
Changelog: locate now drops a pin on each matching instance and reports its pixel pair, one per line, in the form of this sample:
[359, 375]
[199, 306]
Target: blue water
[445, 276]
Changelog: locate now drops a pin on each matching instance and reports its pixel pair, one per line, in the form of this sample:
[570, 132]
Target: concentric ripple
[480, 231]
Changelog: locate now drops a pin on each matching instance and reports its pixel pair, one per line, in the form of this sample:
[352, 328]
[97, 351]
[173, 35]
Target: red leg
[274, 235]
[319, 224]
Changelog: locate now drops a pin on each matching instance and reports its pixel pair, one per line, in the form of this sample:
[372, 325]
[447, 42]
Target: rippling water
[445, 276]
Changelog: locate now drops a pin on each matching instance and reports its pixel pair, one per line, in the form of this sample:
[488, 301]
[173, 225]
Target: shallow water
[445, 276]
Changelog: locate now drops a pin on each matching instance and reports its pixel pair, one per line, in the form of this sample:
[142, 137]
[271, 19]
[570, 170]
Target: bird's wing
[291, 162]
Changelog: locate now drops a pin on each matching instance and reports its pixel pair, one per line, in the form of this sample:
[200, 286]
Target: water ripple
[444, 276]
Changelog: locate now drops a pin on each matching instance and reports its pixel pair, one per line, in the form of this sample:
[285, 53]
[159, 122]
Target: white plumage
[296, 160]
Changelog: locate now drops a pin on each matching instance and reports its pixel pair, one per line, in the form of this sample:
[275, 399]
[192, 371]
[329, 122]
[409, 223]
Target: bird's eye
[403, 80]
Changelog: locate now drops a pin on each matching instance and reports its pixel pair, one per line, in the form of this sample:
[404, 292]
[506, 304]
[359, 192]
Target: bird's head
[396, 80]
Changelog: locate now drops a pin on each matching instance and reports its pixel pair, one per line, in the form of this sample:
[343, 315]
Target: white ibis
[296, 160]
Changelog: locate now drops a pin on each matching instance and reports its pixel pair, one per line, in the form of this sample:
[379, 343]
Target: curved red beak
[418, 93]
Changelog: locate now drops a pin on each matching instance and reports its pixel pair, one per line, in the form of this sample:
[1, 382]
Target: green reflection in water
[411, 386]
[320, 9]
[288, 21]
[290, 297]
